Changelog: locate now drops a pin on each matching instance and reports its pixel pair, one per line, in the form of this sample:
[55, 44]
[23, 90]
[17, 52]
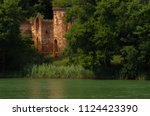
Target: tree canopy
[15, 50]
[32, 7]
[102, 29]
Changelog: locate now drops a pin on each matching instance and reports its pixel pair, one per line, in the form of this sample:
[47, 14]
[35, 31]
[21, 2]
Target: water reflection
[46, 89]
[56, 88]
[73, 89]
[34, 89]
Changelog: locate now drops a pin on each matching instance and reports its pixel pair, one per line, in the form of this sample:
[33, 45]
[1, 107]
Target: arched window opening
[37, 24]
[46, 32]
[37, 39]
[55, 48]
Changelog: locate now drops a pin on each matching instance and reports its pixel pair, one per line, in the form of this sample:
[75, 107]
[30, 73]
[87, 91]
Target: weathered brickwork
[42, 34]
[59, 30]
[25, 28]
[48, 35]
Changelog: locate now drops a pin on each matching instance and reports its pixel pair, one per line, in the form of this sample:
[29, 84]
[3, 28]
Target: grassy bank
[59, 72]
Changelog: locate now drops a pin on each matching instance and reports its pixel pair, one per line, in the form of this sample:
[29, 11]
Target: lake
[73, 89]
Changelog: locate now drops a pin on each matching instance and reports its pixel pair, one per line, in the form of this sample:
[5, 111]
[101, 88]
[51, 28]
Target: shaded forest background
[16, 50]
[107, 37]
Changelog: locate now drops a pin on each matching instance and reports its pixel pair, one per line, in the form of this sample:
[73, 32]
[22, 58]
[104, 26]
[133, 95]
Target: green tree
[62, 3]
[43, 7]
[32, 7]
[16, 51]
[136, 35]
[91, 40]
[81, 47]
[102, 29]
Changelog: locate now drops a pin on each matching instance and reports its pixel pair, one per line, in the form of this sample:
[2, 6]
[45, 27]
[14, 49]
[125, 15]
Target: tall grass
[60, 72]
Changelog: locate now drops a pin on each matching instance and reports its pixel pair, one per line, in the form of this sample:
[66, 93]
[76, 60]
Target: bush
[61, 61]
[130, 63]
[136, 61]
[59, 72]
[142, 76]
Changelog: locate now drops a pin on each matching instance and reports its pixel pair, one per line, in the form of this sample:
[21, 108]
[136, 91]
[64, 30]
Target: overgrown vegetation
[16, 50]
[11, 43]
[59, 72]
[102, 29]
[32, 7]
[108, 37]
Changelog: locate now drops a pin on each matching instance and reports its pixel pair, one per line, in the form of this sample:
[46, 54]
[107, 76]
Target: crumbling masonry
[48, 35]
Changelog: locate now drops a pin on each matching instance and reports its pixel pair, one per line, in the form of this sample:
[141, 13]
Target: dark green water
[74, 89]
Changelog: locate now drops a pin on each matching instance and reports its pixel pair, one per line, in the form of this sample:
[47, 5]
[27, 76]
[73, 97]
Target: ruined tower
[59, 30]
[48, 35]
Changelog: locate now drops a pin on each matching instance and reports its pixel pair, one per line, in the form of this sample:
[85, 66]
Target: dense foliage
[32, 7]
[15, 50]
[102, 29]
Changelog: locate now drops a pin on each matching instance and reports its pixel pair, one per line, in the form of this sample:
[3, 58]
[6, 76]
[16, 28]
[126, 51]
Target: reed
[60, 72]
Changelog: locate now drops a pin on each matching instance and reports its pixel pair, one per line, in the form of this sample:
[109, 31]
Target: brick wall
[48, 35]
[59, 29]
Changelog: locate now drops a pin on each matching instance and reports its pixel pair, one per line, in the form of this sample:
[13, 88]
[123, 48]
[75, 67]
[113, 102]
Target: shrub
[142, 76]
[130, 64]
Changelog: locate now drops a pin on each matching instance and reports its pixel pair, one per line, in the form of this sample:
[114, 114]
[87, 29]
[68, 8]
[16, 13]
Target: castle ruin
[48, 35]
